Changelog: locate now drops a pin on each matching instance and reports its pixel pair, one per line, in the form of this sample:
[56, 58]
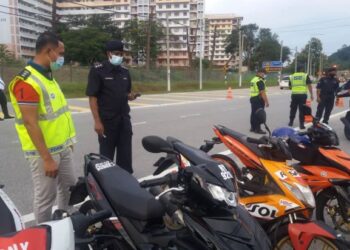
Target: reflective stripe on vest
[254, 90]
[54, 120]
[298, 83]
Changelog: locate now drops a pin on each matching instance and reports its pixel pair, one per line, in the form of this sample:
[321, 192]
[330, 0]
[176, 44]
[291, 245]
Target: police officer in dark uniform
[109, 90]
[326, 91]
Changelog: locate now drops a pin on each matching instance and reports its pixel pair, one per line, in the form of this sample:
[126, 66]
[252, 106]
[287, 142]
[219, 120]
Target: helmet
[287, 132]
[323, 135]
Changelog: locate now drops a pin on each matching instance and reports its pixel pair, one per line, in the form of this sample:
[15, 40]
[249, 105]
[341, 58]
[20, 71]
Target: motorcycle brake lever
[177, 189]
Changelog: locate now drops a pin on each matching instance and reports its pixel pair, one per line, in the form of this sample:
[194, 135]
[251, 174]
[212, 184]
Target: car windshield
[286, 78]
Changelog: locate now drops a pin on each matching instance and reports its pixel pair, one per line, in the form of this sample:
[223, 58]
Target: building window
[168, 6]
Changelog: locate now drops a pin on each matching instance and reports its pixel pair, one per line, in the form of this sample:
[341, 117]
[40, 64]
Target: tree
[6, 55]
[249, 32]
[341, 57]
[134, 33]
[85, 45]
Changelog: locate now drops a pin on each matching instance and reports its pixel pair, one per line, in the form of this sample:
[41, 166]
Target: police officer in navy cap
[109, 91]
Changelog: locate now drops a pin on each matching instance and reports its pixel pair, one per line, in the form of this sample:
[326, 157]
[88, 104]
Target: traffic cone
[229, 94]
[339, 102]
[308, 118]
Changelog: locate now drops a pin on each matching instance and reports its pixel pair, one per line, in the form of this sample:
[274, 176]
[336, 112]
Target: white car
[284, 83]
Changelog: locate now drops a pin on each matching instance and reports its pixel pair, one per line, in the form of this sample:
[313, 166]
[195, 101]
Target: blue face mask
[116, 60]
[58, 64]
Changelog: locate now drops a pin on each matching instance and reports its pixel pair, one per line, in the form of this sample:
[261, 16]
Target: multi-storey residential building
[218, 27]
[21, 21]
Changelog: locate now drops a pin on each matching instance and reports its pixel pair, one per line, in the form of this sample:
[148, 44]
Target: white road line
[188, 116]
[138, 123]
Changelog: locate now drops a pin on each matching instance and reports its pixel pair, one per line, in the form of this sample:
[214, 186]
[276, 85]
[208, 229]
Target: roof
[222, 16]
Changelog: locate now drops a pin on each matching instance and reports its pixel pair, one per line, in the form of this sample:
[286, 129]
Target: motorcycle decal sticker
[104, 165]
[281, 175]
[288, 204]
[294, 173]
[226, 175]
[323, 173]
[262, 210]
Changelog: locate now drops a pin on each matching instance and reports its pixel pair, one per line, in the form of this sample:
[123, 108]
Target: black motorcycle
[193, 208]
[344, 91]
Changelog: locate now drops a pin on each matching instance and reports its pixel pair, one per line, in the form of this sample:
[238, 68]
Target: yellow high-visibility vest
[55, 120]
[298, 83]
[254, 90]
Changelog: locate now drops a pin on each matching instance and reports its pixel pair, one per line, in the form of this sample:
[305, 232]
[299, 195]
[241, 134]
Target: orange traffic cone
[339, 102]
[229, 94]
[308, 118]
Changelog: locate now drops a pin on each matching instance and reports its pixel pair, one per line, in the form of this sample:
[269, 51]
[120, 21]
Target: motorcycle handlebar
[156, 182]
[82, 222]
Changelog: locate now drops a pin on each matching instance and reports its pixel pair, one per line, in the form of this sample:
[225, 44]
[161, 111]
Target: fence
[73, 79]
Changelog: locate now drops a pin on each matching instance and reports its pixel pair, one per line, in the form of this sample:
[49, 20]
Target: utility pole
[320, 70]
[201, 56]
[148, 48]
[168, 54]
[309, 60]
[54, 16]
[240, 53]
[281, 55]
[296, 59]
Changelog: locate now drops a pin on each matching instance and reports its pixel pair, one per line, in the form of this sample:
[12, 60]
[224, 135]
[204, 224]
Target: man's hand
[133, 96]
[267, 104]
[99, 128]
[51, 168]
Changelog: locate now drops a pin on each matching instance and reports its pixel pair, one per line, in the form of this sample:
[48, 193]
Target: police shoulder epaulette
[98, 65]
[24, 74]
[124, 67]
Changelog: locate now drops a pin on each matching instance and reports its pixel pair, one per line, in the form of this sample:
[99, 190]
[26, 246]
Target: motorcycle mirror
[155, 144]
[261, 116]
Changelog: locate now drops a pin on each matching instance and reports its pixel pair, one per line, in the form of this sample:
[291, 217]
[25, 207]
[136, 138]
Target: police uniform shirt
[261, 87]
[308, 81]
[328, 86]
[111, 85]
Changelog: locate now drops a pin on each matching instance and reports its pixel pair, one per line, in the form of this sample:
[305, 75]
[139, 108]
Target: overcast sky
[295, 21]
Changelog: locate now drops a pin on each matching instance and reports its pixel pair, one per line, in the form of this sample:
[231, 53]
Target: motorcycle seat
[194, 155]
[7, 223]
[124, 193]
[242, 139]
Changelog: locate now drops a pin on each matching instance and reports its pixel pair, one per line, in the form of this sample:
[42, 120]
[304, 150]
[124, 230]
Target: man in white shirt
[3, 101]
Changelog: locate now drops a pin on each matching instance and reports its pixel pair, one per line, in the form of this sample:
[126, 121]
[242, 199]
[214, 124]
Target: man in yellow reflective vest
[258, 99]
[299, 83]
[45, 127]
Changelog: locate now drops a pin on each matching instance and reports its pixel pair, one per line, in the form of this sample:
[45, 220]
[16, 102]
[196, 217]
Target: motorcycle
[324, 167]
[194, 208]
[66, 234]
[344, 91]
[273, 192]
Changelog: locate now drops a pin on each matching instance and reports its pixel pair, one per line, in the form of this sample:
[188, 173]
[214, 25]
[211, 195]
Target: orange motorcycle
[273, 192]
[325, 168]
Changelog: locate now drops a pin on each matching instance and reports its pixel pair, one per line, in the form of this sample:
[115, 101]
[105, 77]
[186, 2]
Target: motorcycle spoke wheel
[318, 243]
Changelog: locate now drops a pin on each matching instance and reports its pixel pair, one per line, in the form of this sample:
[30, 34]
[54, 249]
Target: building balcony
[38, 4]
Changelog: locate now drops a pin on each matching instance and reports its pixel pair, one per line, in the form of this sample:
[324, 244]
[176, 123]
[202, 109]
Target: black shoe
[290, 124]
[302, 127]
[9, 117]
[325, 122]
[1, 119]
[260, 132]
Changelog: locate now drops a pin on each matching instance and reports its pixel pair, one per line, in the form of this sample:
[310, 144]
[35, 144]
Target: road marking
[188, 116]
[138, 104]
[161, 99]
[138, 123]
[79, 109]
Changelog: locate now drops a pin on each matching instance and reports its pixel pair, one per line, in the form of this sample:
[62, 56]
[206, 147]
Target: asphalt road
[186, 116]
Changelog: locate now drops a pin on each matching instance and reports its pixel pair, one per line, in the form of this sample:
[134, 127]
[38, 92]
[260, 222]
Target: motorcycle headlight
[221, 194]
[303, 193]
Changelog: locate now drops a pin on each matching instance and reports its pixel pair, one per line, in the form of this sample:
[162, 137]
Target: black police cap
[115, 45]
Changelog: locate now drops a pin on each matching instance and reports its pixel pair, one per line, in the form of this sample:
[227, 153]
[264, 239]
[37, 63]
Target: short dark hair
[46, 38]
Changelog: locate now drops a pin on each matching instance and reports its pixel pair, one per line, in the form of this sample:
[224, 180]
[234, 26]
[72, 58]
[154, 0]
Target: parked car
[284, 83]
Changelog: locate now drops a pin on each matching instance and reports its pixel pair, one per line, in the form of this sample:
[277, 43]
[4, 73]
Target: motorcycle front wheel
[333, 210]
[347, 132]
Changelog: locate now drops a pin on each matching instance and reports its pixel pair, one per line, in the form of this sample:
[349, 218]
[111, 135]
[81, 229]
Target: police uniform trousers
[326, 104]
[3, 103]
[298, 101]
[117, 140]
[256, 103]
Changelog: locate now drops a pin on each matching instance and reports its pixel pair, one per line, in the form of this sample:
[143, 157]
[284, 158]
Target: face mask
[116, 60]
[57, 64]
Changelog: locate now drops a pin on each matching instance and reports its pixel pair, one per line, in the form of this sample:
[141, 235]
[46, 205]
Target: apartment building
[218, 27]
[21, 21]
